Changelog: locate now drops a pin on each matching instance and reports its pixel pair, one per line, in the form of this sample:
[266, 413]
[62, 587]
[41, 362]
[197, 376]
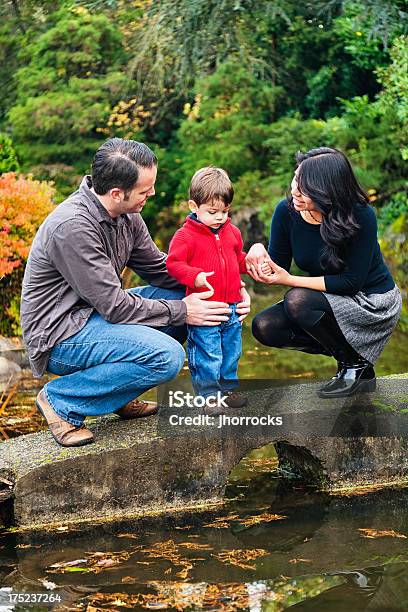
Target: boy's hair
[210, 184]
[117, 163]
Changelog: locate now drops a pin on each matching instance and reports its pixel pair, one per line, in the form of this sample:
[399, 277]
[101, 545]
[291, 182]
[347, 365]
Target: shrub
[24, 202]
[8, 156]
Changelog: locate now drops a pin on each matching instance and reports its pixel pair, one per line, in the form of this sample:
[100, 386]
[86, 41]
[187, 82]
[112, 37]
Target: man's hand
[244, 307]
[201, 281]
[257, 255]
[200, 312]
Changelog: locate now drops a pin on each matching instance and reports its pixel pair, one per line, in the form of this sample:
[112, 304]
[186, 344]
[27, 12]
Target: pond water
[269, 548]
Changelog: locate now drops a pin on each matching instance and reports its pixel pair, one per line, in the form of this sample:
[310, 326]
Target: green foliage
[8, 156]
[65, 90]
[227, 124]
[393, 99]
[394, 245]
[391, 211]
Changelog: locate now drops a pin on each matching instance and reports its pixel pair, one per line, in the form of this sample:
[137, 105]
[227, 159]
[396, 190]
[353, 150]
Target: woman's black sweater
[365, 270]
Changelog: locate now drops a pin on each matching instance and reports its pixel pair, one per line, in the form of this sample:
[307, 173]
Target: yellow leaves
[374, 533]
[226, 597]
[372, 194]
[266, 517]
[240, 557]
[79, 10]
[193, 111]
[168, 550]
[300, 560]
[131, 114]
[195, 546]
[119, 602]
[223, 522]
[226, 111]
[358, 33]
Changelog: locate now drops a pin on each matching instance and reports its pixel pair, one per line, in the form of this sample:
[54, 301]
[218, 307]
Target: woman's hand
[244, 307]
[256, 256]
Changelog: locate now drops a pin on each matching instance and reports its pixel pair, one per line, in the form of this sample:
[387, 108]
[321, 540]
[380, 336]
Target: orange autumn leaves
[178, 596]
[24, 203]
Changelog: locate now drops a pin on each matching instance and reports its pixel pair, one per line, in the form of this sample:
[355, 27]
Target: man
[107, 345]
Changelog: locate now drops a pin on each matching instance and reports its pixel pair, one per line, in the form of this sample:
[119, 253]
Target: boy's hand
[244, 307]
[201, 281]
[266, 268]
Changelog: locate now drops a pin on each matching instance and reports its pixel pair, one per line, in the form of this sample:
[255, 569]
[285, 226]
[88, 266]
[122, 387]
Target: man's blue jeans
[213, 355]
[105, 365]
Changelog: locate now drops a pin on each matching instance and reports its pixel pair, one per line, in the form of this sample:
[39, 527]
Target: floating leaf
[238, 557]
[222, 522]
[169, 551]
[186, 527]
[96, 563]
[265, 517]
[128, 579]
[195, 546]
[64, 564]
[374, 533]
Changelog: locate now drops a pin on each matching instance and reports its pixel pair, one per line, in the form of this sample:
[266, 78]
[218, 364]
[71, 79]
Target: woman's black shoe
[352, 378]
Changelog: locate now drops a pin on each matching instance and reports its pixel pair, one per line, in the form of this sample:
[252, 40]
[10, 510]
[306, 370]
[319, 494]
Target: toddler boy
[206, 253]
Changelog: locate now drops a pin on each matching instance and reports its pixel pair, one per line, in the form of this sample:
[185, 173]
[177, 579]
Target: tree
[70, 81]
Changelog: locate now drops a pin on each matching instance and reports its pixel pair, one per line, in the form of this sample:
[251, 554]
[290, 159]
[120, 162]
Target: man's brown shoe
[136, 409]
[63, 432]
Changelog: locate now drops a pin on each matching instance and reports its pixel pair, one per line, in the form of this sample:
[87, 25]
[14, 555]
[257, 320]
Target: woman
[349, 304]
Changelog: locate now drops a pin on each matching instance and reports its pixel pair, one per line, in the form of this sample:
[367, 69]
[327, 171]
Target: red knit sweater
[195, 248]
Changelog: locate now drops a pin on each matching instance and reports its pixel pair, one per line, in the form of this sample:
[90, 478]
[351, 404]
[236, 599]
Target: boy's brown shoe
[136, 409]
[63, 432]
[236, 399]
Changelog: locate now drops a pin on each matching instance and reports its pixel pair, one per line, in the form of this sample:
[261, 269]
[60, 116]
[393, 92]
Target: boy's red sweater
[195, 248]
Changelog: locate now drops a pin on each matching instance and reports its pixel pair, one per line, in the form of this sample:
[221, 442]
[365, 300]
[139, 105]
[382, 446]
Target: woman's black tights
[303, 321]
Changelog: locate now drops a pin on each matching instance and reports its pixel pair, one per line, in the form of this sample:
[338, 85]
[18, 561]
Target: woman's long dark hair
[325, 176]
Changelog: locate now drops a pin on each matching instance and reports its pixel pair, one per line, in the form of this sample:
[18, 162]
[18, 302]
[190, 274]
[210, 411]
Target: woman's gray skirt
[367, 321]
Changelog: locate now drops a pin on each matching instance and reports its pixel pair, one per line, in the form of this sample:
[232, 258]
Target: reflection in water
[355, 594]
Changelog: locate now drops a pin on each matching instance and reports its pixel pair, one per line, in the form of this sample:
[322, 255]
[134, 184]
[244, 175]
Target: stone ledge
[146, 467]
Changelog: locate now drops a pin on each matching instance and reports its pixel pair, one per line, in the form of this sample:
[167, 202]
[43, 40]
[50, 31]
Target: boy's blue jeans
[105, 365]
[213, 355]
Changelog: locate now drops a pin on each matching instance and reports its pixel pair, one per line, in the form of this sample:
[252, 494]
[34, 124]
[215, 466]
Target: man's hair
[117, 162]
[211, 184]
